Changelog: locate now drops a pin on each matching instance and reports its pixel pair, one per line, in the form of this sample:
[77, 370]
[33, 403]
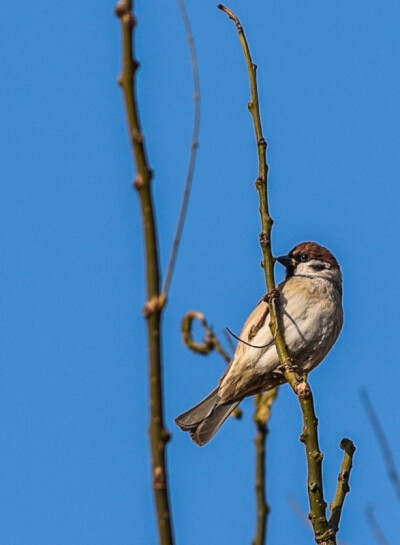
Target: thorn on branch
[260, 182]
[159, 478]
[120, 9]
[154, 305]
[318, 456]
[139, 182]
[166, 436]
[137, 138]
[128, 19]
[303, 389]
[264, 240]
[262, 142]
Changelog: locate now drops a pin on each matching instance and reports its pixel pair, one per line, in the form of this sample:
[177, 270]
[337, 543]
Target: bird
[311, 309]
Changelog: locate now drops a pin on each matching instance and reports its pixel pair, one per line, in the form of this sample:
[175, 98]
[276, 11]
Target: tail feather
[204, 420]
[199, 412]
[210, 425]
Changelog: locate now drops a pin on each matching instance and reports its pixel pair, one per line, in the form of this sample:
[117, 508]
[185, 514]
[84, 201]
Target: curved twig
[193, 151]
[210, 342]
[155, 302]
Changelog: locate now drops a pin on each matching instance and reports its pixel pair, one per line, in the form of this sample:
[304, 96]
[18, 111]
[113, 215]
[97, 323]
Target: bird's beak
[287, 261]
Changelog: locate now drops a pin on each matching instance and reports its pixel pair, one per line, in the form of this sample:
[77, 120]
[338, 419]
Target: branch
[193, 151]
[263, 406]
[302, 515]
[383, 443]
[322, 530]
[155, 302]
[343, 483]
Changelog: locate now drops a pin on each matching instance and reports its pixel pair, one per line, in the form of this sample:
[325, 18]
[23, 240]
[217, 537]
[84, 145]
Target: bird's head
[311, 260]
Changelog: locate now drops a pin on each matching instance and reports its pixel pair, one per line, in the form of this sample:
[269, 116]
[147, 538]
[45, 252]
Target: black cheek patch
[317, 266]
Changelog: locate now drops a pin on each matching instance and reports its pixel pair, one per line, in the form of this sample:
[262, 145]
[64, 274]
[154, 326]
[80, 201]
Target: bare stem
[262, 414]
[193, 150]
[323, 532]
[155, 303]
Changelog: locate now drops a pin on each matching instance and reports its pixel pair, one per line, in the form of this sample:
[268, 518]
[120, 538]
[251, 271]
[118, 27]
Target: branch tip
[348, 446]
[232, 16]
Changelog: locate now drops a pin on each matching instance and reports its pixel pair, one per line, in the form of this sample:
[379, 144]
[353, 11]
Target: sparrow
[312, 315]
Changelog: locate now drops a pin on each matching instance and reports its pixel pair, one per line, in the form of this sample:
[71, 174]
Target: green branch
[159, 436]
[343, 483]
[323, 531]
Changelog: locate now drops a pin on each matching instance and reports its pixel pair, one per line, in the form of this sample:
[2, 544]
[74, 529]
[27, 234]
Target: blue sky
[73, 383]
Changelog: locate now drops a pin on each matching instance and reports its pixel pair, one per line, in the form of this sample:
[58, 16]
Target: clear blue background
[74, 454]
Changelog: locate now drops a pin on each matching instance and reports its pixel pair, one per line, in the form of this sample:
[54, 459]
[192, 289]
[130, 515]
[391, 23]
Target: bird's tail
[204, 419]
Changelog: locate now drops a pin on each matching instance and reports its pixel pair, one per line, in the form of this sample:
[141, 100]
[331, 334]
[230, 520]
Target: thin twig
[153, 308]
[262, 414]
[375, 526]
[323, 532]
[383, 443]
[193, 150]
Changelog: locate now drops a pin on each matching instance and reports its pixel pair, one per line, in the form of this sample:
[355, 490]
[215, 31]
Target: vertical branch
[263, 403]
[323, 532]
[154, 305]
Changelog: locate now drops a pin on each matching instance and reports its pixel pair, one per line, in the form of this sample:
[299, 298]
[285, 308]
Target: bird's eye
[304, 257]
